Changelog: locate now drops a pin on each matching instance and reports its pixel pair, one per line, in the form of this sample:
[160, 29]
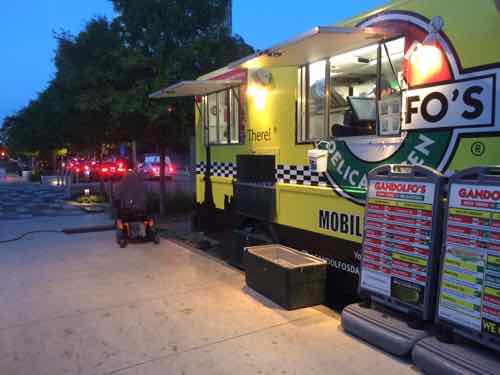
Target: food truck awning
[320, 43]
[194, 88]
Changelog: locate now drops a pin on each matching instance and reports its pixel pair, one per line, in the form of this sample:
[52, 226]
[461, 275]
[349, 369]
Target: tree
[180, 40]
[37, 128]
[105, 74]
[88, 72]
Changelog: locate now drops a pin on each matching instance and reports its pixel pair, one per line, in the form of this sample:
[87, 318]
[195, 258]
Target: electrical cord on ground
[77, 230]
[28, 233]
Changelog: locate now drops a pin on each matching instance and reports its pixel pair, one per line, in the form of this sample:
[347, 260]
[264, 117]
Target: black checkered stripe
[300, 175]
[218, 169]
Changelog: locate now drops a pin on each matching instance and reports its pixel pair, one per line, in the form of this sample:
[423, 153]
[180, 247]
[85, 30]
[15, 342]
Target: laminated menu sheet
[399, 240]
[469, 290]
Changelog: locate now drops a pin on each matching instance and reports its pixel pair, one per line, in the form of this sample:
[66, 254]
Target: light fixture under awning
[320, 43]
[194, 88]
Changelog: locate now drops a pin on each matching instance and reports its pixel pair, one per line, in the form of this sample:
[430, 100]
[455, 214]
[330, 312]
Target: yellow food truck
[285, 138]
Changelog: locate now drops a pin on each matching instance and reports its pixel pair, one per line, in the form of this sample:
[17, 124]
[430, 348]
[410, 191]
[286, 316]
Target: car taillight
[86, 168]
[156, 170]
[104, 170]
[120, 169]
[171, 169]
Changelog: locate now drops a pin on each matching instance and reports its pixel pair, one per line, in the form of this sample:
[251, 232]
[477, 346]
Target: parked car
[151, 167]
[82, 169]
[114, 170]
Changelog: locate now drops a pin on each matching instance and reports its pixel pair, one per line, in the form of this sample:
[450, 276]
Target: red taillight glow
[86, 168]
[120, 169]
[77, 170]
[105, 170]
[171, 169]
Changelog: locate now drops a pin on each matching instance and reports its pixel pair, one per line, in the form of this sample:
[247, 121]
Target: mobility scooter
[133, 221]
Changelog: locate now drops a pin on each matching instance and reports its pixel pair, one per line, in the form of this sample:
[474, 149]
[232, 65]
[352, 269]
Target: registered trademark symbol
[478, 148]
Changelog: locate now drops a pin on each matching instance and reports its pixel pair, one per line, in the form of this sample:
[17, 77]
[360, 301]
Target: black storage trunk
[288, 277]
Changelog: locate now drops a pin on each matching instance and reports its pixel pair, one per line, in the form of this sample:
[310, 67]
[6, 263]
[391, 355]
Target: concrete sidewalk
[81, 305]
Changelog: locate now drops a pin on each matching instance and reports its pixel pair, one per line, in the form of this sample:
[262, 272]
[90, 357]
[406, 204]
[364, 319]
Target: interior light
[354, 56]
[259, 95]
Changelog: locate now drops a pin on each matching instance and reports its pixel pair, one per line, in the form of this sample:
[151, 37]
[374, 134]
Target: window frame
[303, 98]
[234, 99]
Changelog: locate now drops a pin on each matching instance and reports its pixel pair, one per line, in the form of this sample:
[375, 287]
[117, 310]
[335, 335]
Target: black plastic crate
[288, 277]
[255, 200]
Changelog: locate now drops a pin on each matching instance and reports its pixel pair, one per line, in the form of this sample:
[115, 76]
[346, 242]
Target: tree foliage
[99, 93]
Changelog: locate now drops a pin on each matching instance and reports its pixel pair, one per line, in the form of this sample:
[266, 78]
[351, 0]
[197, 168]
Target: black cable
[28, 233]
[78, 230]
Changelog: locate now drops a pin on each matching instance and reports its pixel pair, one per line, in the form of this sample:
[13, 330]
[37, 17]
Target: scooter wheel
[156, 239]
[123, 243]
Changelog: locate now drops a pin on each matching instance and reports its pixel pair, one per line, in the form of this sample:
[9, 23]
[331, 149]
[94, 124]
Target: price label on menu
[469, 293]
[398, 239]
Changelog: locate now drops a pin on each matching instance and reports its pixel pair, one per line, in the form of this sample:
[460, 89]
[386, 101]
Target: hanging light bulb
[426, 59]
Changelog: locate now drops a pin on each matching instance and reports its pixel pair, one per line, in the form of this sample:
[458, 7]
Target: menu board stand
[399, 265]
[468, 304]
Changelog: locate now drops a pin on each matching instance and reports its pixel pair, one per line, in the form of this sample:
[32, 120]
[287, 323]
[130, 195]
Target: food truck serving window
[353, 94]
[221, 117]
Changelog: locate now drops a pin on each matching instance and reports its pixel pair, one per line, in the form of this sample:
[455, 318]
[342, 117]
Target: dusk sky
[27, 26]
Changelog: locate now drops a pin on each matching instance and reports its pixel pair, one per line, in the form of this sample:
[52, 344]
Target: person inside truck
[338, 96]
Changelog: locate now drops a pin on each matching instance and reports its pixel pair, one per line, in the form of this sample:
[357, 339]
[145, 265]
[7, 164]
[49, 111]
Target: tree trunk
[134, 155]
[163, 195]
[102, 188]
[59, 171]
[54, 162]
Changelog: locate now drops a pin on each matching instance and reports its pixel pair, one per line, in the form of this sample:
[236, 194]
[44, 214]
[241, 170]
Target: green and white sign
[350, 161]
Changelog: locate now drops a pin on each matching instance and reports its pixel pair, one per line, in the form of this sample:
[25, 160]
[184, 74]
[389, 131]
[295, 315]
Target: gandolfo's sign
[461, 107]
[396, 190]
[435, 115]
[455, 105]
[485, 197]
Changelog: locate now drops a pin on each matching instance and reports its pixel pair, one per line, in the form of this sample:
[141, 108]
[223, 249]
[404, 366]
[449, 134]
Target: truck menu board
[469, 290]
[398, 239]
